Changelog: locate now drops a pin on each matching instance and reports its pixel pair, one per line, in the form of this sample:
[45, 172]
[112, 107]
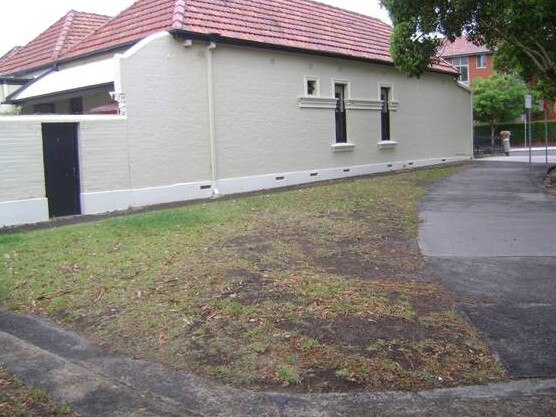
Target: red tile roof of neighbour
[461, 47]
[299, 24]
[9, 54]
[49, 46]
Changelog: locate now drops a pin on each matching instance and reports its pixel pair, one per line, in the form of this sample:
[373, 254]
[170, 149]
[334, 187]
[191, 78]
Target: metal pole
[530, 140]
[525, 130]
[546, 132]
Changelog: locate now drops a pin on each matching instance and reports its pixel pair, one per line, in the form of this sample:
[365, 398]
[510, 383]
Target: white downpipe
[212, 123]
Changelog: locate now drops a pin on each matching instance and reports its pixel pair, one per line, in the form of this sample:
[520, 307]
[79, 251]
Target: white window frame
[306, 80]
[481, 61]
[463, 62]
[394, 104]
[346, 83]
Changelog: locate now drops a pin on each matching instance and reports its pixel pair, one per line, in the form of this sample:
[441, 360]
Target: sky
[23, 20]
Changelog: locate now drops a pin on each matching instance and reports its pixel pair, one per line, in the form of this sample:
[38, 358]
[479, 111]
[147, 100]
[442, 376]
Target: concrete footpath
[489, 231]
[98, 384]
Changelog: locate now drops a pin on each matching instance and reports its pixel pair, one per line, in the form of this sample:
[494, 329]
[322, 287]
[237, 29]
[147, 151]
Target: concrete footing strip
[88, 392]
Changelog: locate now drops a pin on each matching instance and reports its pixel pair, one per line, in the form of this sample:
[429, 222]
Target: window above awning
[74, 78]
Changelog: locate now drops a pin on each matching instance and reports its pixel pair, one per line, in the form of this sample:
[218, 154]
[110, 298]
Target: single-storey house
[174, 100]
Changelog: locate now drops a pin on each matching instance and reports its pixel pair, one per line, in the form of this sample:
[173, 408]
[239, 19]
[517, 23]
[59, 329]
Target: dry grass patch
[17, 400]
[317, 289]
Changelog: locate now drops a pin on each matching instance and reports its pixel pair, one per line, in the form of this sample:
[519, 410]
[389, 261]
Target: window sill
[343, 147]
[310, 102]
[363, 104]
[387, 144]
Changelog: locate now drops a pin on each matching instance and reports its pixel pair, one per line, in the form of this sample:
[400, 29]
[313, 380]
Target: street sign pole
[529, 106]
[546, 132]
[525, 130]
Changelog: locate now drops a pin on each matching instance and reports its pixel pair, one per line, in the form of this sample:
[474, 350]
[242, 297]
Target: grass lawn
[16, 400]
[317, 289]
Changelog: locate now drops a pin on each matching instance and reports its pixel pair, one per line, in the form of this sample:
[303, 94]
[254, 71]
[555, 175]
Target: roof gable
[298, 24]
[49, 46]
[461, 46]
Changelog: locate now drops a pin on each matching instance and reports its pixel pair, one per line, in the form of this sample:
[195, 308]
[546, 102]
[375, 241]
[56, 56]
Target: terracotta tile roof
[9, 54]
[461, 47]
[300, 24]
[53, 42]
[142, 19]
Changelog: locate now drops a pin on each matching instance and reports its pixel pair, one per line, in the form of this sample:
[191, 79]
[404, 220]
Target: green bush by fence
[518, 131]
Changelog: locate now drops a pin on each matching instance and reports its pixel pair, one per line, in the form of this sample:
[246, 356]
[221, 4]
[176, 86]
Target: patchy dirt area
[318, 289]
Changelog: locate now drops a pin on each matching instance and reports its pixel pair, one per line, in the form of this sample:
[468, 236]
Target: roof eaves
[8, 99]
[215, 37]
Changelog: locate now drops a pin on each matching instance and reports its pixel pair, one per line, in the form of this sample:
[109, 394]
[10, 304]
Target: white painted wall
[261, 129]
[21, 163]
[166, 91]
[22, 193]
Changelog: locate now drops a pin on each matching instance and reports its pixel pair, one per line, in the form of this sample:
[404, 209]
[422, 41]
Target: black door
[385, 119]
[341, 131]
[61, 168]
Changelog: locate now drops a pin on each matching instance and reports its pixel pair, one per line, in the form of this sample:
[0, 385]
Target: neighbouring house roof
[51, 44]
[9, 54]
[461, 47]
[293, 24]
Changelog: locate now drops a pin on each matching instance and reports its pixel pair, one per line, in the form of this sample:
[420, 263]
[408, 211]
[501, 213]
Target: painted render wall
[22, 192]
[261, 129]
[167, 111]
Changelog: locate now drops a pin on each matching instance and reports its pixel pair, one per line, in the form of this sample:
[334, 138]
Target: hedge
[517, 129]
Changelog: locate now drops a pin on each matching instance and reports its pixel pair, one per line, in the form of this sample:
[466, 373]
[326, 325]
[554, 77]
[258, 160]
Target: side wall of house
[268, 134]
[266, 129]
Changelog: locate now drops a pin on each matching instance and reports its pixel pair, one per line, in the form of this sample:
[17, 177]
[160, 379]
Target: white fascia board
[70, 78]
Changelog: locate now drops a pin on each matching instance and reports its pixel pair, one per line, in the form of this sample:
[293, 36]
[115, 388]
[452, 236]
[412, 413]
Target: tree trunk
[492, 138]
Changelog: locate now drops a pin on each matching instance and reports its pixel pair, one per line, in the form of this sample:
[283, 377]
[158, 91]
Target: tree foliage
[498, 99]
[522, 31]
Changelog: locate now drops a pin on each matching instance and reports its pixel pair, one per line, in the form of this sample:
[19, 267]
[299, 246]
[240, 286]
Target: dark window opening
[76, 105]
[311, 87]
[44, 108]
[385, 113]
[341, 127]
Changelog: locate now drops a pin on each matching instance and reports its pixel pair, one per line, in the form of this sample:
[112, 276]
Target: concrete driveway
[490, 232]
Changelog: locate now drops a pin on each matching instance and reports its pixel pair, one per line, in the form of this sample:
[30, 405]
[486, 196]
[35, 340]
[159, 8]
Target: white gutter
[212, 123]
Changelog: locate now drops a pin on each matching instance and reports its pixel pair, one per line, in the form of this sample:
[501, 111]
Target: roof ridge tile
[178, 18]
[59, 46]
